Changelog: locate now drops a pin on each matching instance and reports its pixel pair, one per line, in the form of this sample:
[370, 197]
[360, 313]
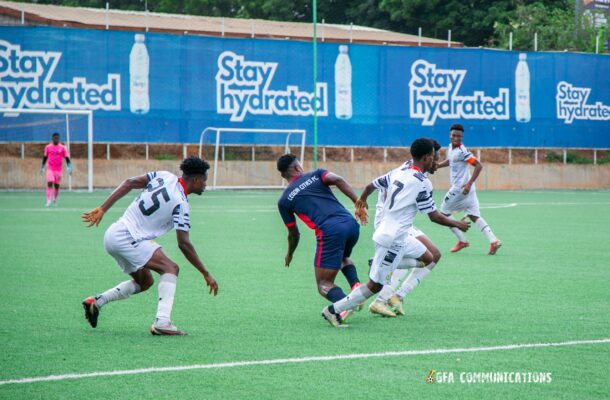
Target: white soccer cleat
[382, 309]
[396, 304]
[333, 319]
[166, 329]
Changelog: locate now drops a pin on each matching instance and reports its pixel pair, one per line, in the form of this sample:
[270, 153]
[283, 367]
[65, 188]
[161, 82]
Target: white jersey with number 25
[161, 206]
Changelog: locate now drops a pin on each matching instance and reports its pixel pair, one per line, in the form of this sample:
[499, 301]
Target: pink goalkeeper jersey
[55, 156]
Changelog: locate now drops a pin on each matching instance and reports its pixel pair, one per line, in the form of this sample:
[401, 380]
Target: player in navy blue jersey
[309, 197]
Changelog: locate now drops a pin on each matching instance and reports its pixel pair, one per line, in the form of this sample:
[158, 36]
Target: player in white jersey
[462, 193]
[161, 206]
[387, 303]
[410, 192]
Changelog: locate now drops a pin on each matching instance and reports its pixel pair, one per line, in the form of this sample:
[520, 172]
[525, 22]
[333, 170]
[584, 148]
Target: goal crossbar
[219, 131]
[14, 112]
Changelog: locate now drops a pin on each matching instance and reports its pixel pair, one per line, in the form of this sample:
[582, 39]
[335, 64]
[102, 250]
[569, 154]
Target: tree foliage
[473, 22]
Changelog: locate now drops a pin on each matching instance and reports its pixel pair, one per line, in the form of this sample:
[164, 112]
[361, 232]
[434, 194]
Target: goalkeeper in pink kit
[54, 153]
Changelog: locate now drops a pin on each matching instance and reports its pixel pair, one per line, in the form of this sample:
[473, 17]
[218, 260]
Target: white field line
[300, 360]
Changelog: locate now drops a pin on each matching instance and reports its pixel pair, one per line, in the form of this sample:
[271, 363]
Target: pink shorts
[53, 176]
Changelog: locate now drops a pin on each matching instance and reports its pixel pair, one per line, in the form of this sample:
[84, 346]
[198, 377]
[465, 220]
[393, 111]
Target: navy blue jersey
[312, 201]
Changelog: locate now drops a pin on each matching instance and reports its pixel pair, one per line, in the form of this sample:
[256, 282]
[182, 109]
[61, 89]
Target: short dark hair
[194, 165]
[285, 161]
[457, 127]
[55, 134]
[421, 147]
[436, 145]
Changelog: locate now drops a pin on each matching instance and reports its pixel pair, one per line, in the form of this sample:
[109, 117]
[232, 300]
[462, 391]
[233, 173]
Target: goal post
[283, 136]
[6, 113]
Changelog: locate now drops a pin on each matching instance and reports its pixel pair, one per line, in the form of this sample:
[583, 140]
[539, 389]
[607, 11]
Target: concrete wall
[16, 173]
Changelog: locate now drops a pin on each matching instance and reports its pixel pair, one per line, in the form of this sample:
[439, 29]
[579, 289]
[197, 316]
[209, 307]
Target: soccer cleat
[344, 315]
[91, 311]
[459, 246]
[381, 309]
[396, 304]
[167, 329]
[48, 204]
[493, 248]
[333, 319]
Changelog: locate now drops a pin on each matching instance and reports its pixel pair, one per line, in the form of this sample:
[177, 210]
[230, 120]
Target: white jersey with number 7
[409, 191]
[161, 206]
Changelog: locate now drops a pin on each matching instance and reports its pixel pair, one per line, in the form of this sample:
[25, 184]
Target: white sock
[483, 227]
[120, 292]
[385, 294]
[351, 301]
[417, 275]
[459, 234]
[407, 263]
[397, 277]
[167, 290]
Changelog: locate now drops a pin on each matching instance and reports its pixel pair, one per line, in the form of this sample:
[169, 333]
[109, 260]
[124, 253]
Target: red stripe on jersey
[416, 168]
[181, 181]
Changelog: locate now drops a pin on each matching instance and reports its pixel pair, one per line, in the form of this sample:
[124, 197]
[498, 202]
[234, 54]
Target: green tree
[557, 28]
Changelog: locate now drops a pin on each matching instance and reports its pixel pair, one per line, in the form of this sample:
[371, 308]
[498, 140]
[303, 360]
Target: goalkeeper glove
[41, 169]
[70, 169]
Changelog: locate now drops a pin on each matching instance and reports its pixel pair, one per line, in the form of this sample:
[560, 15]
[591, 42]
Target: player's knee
[173, 268]
[50, 184]
[436, 255]
[324, 287]
[146, 284]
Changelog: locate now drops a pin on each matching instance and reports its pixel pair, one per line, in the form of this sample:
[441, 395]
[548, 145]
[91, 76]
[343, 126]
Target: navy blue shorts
[335, 242]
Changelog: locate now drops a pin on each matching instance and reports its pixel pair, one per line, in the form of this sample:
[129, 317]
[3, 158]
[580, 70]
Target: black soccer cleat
[91, 311]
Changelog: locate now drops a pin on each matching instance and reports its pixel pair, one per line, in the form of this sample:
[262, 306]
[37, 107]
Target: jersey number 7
[157, 191]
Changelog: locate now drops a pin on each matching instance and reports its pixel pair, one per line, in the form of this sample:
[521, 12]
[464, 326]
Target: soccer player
[387, 303]
[309, 197]
[462, 194]
[161, 205]
[54, 152]
[410, 192]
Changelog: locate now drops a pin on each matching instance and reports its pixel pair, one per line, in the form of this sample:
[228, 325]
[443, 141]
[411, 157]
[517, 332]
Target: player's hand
[93, 217]
[41, 169]
[211, 282]
[361, 213]
[287, 260]
[70, 169]
[466, 188]
[463, 225]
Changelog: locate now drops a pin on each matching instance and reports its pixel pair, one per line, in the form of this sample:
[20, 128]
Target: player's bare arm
[44, 161]
[94, 217]
[187, 248]
[440, 219]
[361, 204]
[341, 184]
[293, 241]
[478, 167]
[442, 164]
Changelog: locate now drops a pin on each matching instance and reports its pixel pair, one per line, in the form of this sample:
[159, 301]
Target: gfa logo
[430, 378]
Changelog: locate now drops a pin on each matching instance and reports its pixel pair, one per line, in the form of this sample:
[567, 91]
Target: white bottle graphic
[523, 111]
[343, 85]
[139, 102]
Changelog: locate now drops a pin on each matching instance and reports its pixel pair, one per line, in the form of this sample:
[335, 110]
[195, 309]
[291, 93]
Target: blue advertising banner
[168, 88]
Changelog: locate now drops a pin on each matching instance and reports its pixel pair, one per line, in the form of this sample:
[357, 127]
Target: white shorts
[387, 259]
[130, 254]
[455, 201]
[413, 231]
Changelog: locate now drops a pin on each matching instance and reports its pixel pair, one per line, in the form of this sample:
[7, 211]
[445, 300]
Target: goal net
[245, 158]
[30, 129]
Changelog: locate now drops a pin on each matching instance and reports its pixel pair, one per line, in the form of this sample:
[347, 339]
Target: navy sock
[350, 273]
[335, 294]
